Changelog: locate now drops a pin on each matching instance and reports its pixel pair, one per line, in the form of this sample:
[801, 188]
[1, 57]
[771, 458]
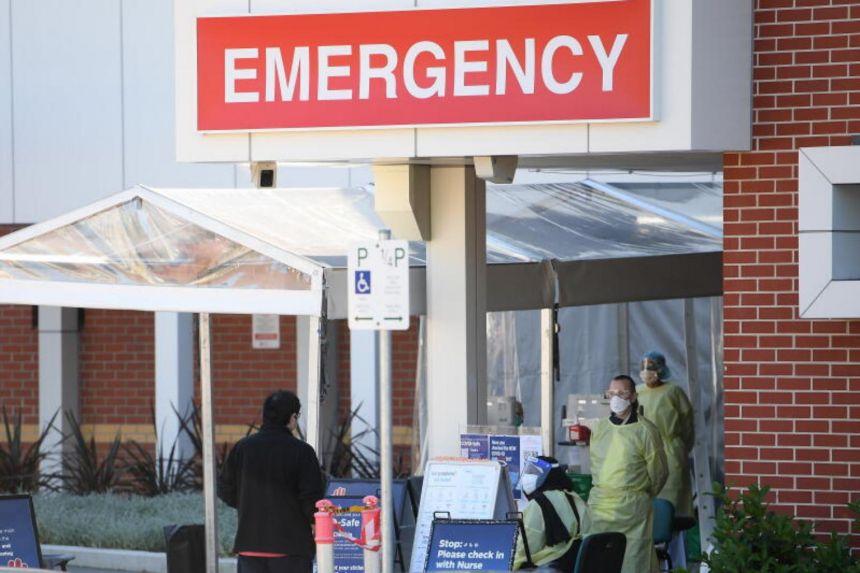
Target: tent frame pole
[547, 386]
[208, 423]
[701, 463]
[314, 383]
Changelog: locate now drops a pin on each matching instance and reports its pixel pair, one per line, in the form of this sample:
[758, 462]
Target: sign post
[378, 296]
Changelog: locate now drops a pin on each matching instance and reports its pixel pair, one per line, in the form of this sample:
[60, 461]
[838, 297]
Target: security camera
[264, 174]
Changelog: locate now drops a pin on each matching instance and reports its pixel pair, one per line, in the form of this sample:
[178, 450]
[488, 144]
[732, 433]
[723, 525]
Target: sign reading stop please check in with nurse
[543, 63]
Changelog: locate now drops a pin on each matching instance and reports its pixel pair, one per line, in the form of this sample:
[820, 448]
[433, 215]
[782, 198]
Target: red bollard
[324, 536]
[371, 534]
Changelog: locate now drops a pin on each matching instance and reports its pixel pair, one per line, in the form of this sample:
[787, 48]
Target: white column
[59, 380]
[364, 396]
[456, 307]
[174, 377]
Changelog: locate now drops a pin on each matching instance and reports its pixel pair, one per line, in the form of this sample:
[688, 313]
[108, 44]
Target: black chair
[601, 553]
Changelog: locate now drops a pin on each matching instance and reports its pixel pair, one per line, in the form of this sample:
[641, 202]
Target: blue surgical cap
[660, 362]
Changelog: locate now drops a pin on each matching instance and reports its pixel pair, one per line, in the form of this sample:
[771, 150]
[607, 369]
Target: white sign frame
[378, 285]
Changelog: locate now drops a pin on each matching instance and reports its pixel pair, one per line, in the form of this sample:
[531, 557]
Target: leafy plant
[192, 426]
[84, 469]
[749, 537]
[346, 455]
[159, 474]
[19, 463]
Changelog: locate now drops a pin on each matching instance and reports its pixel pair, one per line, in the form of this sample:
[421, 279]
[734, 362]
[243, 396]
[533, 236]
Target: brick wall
[242, 377]
[117, 367]
[19, 360]
[403, 364]
[792, 386]
[19, 374]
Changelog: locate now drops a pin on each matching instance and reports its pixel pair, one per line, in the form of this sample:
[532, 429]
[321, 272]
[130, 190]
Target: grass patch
[116, 521]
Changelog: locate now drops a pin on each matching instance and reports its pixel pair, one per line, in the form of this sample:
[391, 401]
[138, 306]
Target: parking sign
[378, 293]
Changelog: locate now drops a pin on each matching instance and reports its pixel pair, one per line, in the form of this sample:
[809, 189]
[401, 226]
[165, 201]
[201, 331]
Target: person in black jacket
[273, 479]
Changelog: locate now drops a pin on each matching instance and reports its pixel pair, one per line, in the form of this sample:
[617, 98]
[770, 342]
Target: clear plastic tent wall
[139, 243]
[594, 347]
[525, 223]
[575, 221]
[142, 242]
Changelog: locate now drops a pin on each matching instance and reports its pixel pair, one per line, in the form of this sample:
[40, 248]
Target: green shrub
[123, 522]
[748, 536]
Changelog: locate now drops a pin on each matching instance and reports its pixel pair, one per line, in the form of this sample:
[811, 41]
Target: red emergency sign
[545, 63]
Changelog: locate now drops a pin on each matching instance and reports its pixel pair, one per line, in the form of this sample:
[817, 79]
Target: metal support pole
[208, 422]
[547, 384]
[314, 381]
[701, 465]
[386, 461]
[717, 420]
[624, 336]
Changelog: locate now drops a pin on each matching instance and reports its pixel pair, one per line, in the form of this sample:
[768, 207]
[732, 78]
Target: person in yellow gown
[668, 407]
[554, 519]
[628, 467]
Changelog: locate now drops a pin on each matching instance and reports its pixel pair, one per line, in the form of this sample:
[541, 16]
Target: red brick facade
[117, 367]
[792, 386]
[19, 362]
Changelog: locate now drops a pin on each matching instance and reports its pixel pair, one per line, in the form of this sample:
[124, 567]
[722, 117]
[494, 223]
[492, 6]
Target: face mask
[618, 404]
[648, 376]
[528, 483]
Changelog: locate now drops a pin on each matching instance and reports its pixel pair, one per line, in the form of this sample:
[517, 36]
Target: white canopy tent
[283, 251]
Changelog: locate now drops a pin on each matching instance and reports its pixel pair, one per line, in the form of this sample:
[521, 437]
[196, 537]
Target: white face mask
[528, 483]
[648, 376]
[618, 404]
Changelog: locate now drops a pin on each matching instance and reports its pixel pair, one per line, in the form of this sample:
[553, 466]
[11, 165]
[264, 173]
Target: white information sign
[378, 285]
[265, 331]
[465, 490]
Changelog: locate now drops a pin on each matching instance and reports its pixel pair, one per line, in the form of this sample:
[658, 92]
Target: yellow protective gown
[543, 554]
[628, 467]
[669, 408]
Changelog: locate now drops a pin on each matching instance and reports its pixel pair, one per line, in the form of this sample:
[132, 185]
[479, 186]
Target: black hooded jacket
[274, 481]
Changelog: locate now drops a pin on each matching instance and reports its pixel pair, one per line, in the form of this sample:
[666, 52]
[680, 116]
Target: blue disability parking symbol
[362, 282]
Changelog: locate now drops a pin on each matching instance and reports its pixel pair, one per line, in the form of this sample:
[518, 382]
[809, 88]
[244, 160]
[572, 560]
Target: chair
[663, 529]
[601, 553]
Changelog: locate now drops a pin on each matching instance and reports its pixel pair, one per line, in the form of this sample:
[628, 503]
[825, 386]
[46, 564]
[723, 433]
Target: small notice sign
[512, 450]
[348, 556]
[378, 289]
[266, 331]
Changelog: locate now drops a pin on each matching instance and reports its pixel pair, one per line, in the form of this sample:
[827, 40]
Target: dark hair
[280, 407]
[629, 381]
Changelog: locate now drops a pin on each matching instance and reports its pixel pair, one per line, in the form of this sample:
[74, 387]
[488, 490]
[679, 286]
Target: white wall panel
[148, 73]
[193, 146]
[6, 173]
[68, 110]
